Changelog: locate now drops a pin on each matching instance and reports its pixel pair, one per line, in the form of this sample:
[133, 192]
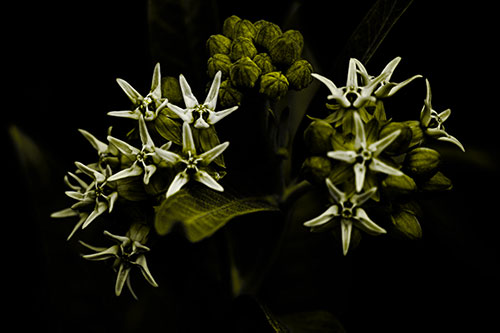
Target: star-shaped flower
[352, 95]
[148, 106]
[108, 154]
[366, 155]
[346, 208]
[93, 199]
[145, 160]
[195, 165]
[128, 253]
[203, 115]
[432, 121]
[385, 88]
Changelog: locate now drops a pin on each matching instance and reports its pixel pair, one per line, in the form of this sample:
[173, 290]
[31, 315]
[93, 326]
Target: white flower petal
[366, 224]
[453, 140]
[210, 155]
[359, 176]
[98, 145]
[144, 134]
[348, 156]
[123, 146]
[149, 170]
[335, 193]
[185, 114]
[121, 278]
[379, 166]
[189, 99]
[132, 171]
[211, 99]
[214, 117]
[156, 82]
[67, 212]
[378, 146]
[132, 94]
[141, 262]
[324, 218]
[187, 140]
[359, 131]
[346, 229]
[207, 180]
[125, 114]
[200, 123]
[359, 199]
[98, 210]
[179, 181]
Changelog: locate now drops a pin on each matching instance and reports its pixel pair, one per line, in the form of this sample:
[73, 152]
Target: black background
[59, 75]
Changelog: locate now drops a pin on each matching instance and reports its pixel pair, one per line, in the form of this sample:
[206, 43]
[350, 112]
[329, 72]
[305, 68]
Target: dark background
[62, 62]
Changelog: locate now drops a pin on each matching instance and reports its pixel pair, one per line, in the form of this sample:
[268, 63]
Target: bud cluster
[257, 56]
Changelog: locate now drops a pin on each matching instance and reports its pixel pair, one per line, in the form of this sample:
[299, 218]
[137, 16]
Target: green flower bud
[171, 89]
[299, 74]
[285, 49]
[422, 161]
[242, 47]
[438, 182]
[407, 224]
[244, 28]
[316, 168]
[244, 73]
[218, 62]
[259, 24]
[402, 141]
[399, 184]
[318, 137]
[296, 36]
[263, 60]
[229, 25]
[228, 95]
[218, 44]
[417, 136]
[274, 85]
[267, 33]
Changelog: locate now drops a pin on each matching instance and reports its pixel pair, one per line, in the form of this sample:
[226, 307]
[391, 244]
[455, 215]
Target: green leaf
[168, 128]
[202, 211]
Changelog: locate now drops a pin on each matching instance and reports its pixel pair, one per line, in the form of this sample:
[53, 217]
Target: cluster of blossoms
[168, 147]
[365, 159]
[257, 55]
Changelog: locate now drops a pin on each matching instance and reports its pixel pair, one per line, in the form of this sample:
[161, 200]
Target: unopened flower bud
[299, 74]
[296, 36]
[267, 33]
[273, 85]
[218, 62]
[417, 136]
[438, 182]
[244, 28]
[422, 161]
[228, 95]
[242, 47]
[316, 169]
[244, 73]
[263, 60]
[285, 49]
[399, 184]
[318, 137]
[407, 223]
[171, 89]
[402, 141]
[218, 44]
[229, 25]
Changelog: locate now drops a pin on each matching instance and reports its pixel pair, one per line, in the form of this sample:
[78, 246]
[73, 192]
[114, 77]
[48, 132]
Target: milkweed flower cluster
[366, 159]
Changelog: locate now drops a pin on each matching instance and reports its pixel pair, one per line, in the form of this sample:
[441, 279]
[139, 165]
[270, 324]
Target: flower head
[195, 165]
[148, 106]
[202, 115]
[127, 253]
[93, 199]
[346, 208]
[433, 121]
[145, 160]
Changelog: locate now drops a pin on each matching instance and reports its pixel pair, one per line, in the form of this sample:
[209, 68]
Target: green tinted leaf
[201, 211]
[168, 128]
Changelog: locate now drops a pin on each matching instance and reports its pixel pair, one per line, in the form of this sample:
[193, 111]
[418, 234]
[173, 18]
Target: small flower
[97, 196]
[195, 164]
[347, 209]
[366, 155]
[205, 113]
[352, 95]
[433, 121]
[107, 152]
[128, 253]
[386, 88]
[148, 106]
[148, 153]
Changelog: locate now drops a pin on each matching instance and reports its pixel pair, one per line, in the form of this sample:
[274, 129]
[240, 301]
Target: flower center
[191, 163]
[364, 156]
[436, 121]
[347, 208]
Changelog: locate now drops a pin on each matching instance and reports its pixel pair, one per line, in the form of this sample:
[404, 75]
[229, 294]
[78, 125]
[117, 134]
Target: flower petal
[359, 199]
[144, 134]
[179, 181]
[156, 82]
[149, 170]
[378, 146]
[335, 193]
[211, 99]
[187, 140]
[207, 180]
[126, 114]
[112, 199]
[359, 176]
[67, 212]
[121, 278]
[390, 67]
[108, 253]
[100, 146]
[425, 114]
[141, 262]
[210, 155]
[453, 140]
[132, 94]
[123, 146]
[83, 217]
[189, 99]
[359, 132]
[184, 114]
[132, 171]
[214, 117]
[168, 155]
[366, 224]
[98, 210]
[348, 156]
[444, 115]
[200, 123]
[379, 166]
[352, 75]
[336, 93]
[346, 228]
[324, 218]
